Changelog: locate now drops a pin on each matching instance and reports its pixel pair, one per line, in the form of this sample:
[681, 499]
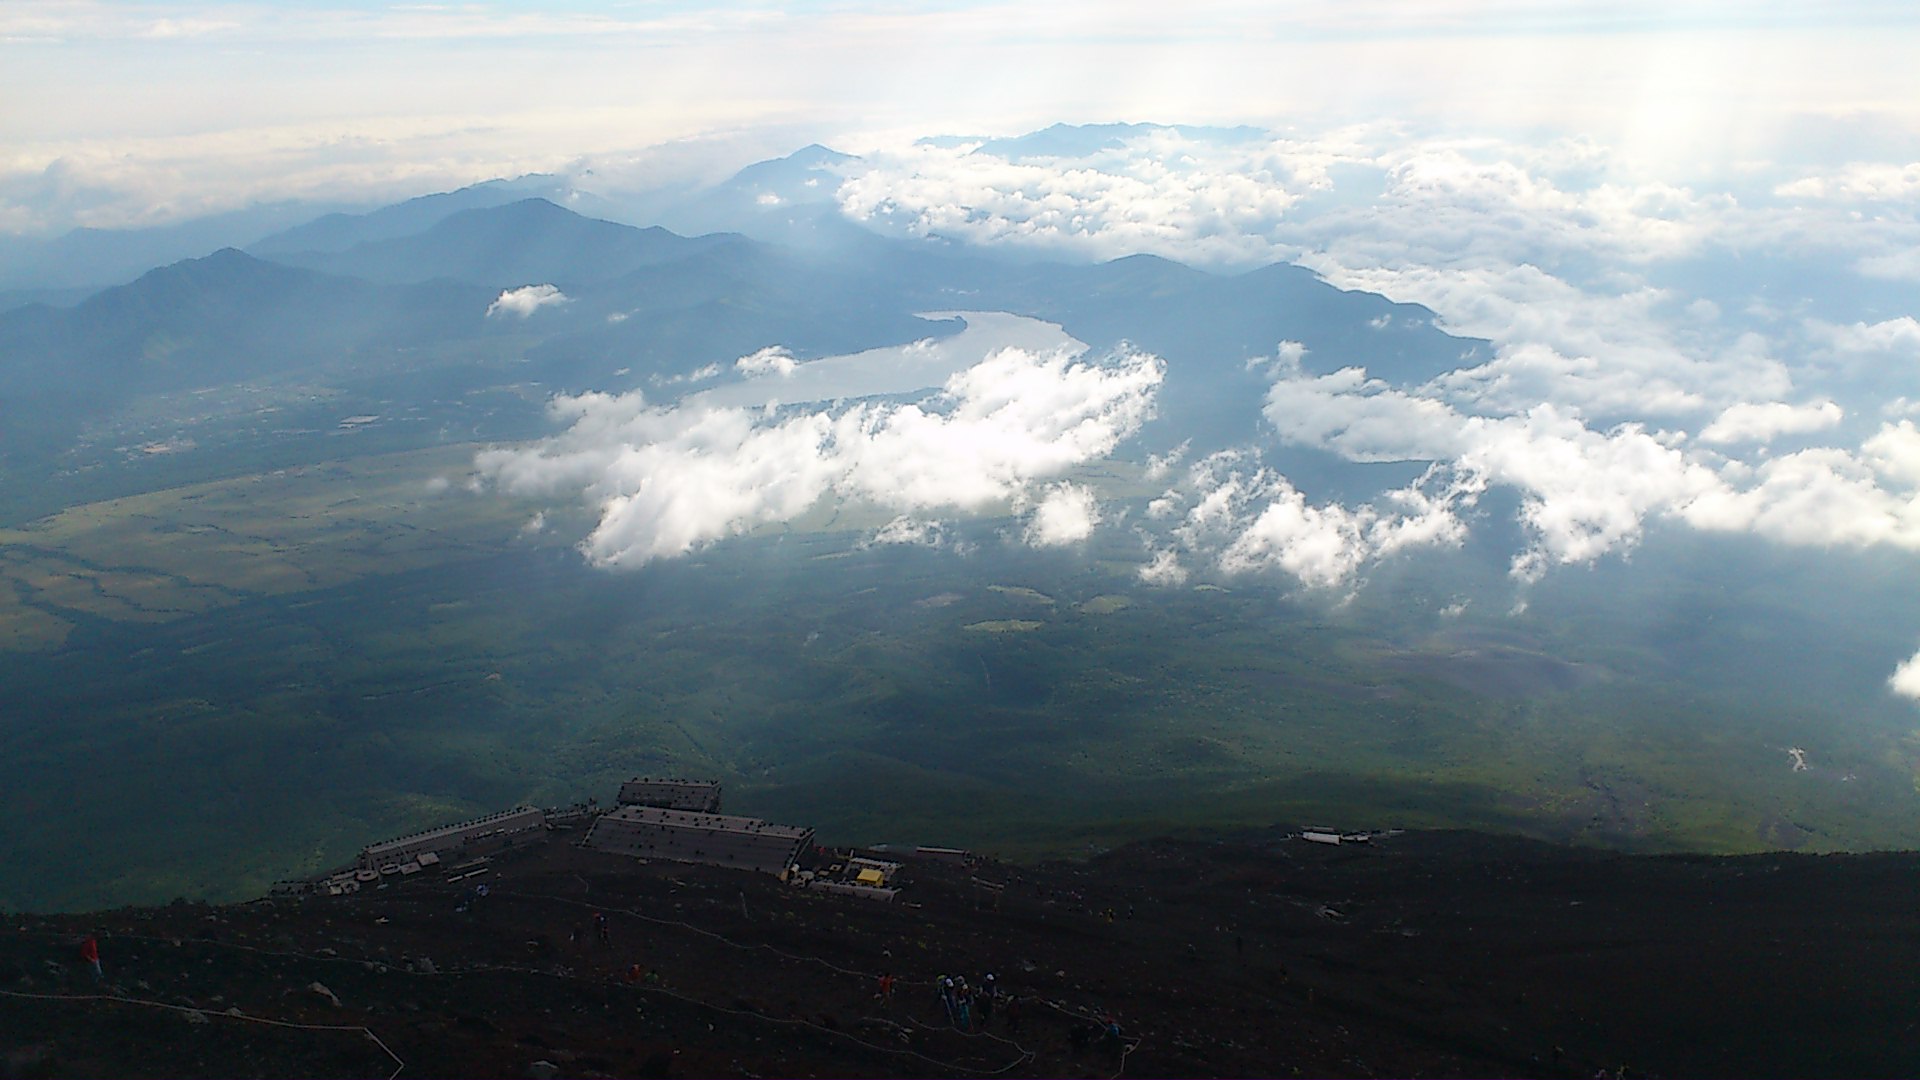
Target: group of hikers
[970, 1008]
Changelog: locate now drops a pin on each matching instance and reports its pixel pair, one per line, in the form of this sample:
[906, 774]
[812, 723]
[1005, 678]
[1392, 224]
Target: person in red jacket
[90, 952]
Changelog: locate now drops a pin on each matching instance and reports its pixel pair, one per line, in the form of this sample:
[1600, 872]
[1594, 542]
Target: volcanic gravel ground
[1420, 954]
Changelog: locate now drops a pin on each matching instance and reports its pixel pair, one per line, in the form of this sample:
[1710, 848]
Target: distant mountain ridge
[95, 258]
[528, 241]
[339, 232]
[212, 321]
[650, 304]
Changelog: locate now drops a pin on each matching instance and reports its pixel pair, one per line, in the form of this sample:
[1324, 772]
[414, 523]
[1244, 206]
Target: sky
[1689, 231]
[143, 112]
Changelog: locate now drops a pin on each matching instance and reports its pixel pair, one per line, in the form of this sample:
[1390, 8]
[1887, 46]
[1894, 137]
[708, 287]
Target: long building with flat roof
[451, 837]
[653, 832]
[698, 795]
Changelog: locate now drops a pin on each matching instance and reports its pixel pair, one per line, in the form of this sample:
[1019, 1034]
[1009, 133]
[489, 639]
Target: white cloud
[1905, 679]
[772, 360]
[526, 300]
[1894, 452]
[1586, 492]
[1902, 265]
[1164, 569]
[1150, 195]
[1759, 422]
[1287, 357]
[1820, 497]
[669, 480]
[907, 529]
[1862, 181]
[1898, 335]
[1251, 521]
[1320, 545]
[697, 375]
[1066, 515]
[1159, 465]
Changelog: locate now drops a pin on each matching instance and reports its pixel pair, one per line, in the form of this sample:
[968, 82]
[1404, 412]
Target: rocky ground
[1423, 954]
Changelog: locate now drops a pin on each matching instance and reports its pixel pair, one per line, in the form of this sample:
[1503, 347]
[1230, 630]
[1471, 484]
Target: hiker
[90, 952]
[944, 986]
[1110, 1037]
[886, 987]
[1012, 1013]
[984, 999]
[963, 1002]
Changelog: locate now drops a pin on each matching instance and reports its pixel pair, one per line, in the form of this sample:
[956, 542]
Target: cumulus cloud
[1287, 357]
[526, 300]
[1859, 181]
[1901, 335]
[1585, 492]
[1164, 569]
[697, 375]
[1895, 453]
[1759, 422]
[1320, 545]
[907, 529]
[1159, 465]
[1246, 518]
[666, 481]
[1066, 515]
[772, 360]
[1905, 679]
[1818, 497]
[1147, 193]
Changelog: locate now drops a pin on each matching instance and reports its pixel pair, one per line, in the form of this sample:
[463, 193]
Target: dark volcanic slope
[1424, 954]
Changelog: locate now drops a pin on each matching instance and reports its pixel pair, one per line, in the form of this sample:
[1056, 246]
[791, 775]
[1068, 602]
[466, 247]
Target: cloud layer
[1655, 356]
[668, 480]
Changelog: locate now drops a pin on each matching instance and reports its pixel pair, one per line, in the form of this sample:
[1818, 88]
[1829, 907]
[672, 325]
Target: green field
[214, 686]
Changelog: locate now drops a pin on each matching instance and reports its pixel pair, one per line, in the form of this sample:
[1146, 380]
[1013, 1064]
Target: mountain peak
[816, 154]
